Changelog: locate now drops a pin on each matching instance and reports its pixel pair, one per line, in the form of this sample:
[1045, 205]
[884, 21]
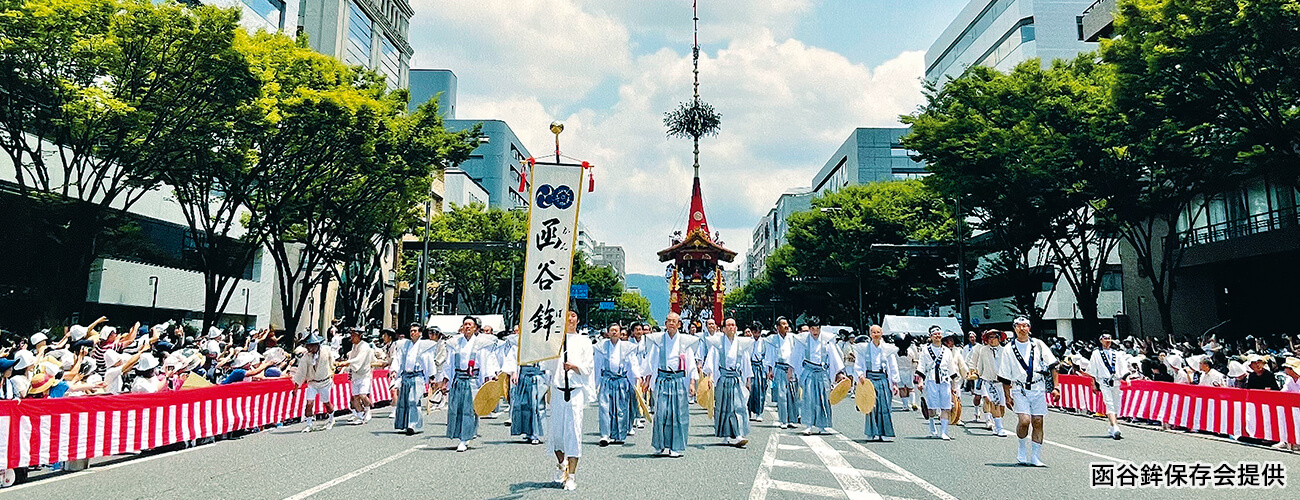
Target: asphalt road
[374, 461]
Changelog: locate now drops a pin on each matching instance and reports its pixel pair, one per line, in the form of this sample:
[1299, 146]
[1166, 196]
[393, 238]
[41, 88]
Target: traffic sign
[607, 306]
[579, 291]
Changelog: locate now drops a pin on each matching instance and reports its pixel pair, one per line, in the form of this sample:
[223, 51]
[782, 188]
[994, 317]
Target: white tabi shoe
[827, 430]
[665, 452]
[1001, 433]
[740, 443]
[673, 454]
[462, 447]
[561, 473]
[1022, 452]
[945, 437]
[886, 439]
[329, 424]
[808, 431]
[631, 432]
[570, 484]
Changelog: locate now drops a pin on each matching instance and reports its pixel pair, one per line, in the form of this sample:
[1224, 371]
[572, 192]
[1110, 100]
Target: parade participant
[985, 359]
[527, 396]
[1108, 367]
[972, 384]
[758, 382]
[906, 372]
[572, 388]
[785, 390]
[951, 340]
[817, 359]
[875, 362]
[636, 339]
[315, 367]
[359, 368]
[728, 364]
[673, 357]
[619, 368]
[413, 365]
[938, 365]
[469, 350]
[1026, 373]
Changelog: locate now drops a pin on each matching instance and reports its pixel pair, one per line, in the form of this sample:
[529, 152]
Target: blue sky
[792, 79]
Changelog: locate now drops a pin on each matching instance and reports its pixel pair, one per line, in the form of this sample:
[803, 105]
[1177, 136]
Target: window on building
[390, 62]
[359, 37]
[1112, 278]
[270, 10]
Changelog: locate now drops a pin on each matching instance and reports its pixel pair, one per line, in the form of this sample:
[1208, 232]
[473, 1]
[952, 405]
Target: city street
[372, 461]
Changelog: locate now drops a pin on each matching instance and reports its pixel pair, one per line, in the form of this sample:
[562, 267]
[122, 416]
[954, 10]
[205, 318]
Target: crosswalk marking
[934, 490]
[807, 489]
[854, 485]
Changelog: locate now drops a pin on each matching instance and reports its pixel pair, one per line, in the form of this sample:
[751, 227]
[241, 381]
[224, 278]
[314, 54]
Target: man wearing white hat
[359, 369]
[938, 365]
[1027, 374]
[1108, 367]
[315, 368]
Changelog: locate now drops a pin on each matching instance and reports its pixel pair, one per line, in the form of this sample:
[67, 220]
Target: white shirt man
[938, 365]
[572, 388]
[1025, 375]
[1108, 367]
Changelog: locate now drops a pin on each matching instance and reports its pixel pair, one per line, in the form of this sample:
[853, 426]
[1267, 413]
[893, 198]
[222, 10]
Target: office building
[427, 84]
[771, 230]
[269, 15]
[612, 257]
[868, 155]
[1003, 33]
[369, 33]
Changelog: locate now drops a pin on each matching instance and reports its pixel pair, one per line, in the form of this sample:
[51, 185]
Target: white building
[1004, 33]
[269, 15]
[370, 33]
[460, 190]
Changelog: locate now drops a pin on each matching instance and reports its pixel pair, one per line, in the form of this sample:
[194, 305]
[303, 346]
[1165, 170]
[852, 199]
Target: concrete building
[612, 257]
[771, 230]
[1004, 33]
[868, 155]
[460, 190]
[269, 15]
[427, 84]
[370, 33]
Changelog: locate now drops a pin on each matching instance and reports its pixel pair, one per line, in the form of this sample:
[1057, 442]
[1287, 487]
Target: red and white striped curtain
[43, 431]
[1267, 415]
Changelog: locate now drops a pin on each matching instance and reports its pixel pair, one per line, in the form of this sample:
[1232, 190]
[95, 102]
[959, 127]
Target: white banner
[552, 236]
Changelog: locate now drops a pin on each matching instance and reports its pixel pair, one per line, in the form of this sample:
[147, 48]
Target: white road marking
[1086, 452]
[355, 473]
[807, 489]
[763, 478]
[853, 484]
[934, 490]
[875, 474]
[794, 465]
[793, 447]
[94, 469]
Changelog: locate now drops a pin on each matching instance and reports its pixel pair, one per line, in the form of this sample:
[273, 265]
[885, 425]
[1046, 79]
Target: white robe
[566, 416]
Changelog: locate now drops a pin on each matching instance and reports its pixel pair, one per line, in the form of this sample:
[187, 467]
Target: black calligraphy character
[545, 278]
[543, 319]
[548, 237]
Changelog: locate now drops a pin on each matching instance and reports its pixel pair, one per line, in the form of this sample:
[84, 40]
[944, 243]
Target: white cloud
[786, 107]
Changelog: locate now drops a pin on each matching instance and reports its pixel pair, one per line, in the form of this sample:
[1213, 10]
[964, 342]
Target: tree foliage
[1032, 154]
[478, 281]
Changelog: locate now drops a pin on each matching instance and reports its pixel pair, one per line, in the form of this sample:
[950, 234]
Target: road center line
[1086, 452]
[934, 490]
[854, 485]
[355, 473]
[763, 478]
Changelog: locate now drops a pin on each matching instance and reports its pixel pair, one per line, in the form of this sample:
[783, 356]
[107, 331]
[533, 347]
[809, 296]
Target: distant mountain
[654, 288]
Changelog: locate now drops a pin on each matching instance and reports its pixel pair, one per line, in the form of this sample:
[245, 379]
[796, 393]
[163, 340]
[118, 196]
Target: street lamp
[153, 305]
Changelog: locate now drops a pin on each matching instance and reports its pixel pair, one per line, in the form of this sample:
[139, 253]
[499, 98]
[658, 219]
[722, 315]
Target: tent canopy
[918, 325]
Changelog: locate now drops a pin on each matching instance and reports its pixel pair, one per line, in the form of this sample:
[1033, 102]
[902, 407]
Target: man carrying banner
[413, 364]
[1027, 374]
[875, 363]
[468, 352]
[673, 357]
[618, 367]
[1107, 368]
[572, 388]
[785, 386]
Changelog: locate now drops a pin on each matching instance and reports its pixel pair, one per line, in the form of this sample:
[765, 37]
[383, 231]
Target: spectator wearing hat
[146, 376]
[108, 340]
[24, 363]
[244, 367]
[8, 390]
[315, 368]
[1291, 369]
[1260, 377]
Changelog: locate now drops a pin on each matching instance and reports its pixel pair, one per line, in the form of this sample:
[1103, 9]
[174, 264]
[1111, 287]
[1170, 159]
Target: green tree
[638, 305]
[98, 95]
[1033, 155]
[1210, 95]
[341, 155]
[603, 281]
[833, 241]
[478, 281]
